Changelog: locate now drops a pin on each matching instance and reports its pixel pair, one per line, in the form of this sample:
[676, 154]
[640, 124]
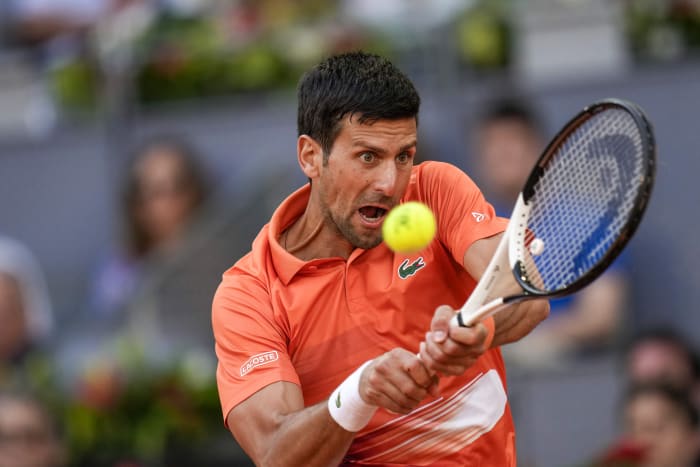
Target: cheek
[340, 188]
[676, 439]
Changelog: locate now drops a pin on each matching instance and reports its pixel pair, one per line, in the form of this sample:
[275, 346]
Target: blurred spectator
[663, 355]
[164, 191]
[509, 139]
[144, 357]
[25, 310]
[660, 429]
[29, 436]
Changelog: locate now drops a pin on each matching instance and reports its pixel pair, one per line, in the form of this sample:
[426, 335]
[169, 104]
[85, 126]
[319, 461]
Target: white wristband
[346, 405]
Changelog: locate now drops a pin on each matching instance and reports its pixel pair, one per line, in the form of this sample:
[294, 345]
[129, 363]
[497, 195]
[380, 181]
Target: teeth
[378, 214]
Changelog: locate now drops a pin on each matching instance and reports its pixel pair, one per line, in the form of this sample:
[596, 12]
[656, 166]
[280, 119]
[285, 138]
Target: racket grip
[487, 321]
[459, 321]
[465, 318]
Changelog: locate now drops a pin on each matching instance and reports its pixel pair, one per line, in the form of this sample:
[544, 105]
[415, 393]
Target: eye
[403, 158]
[367, 157]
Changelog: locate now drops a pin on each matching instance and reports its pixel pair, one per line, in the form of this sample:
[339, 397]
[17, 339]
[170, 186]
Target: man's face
[506, 149]
[364, 176]
[166, 202]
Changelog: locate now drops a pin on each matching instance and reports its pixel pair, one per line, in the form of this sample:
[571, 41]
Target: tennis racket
[580, 206]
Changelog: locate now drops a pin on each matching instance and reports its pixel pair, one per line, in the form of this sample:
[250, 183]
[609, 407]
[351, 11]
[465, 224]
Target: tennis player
[318, 327]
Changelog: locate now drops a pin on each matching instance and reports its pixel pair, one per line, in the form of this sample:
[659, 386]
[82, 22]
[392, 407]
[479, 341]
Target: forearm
[275, 428]
[309, 437]
[515, 322]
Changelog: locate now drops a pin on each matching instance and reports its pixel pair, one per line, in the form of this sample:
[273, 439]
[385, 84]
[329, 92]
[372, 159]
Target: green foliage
[662, 30]
[133, 410]
[201, 57]
[125, 408]
[75, 84]
[483, 35]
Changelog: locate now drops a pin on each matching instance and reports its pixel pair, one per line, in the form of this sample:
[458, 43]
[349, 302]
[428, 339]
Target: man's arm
[275, 428]
[451, 350]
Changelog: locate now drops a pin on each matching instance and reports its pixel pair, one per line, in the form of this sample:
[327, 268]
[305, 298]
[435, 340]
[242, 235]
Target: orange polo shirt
[312, 323]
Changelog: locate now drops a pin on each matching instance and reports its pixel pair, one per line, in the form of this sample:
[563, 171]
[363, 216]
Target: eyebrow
[360, 143]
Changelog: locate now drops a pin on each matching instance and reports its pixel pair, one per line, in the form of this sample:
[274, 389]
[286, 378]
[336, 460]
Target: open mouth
[372, 214]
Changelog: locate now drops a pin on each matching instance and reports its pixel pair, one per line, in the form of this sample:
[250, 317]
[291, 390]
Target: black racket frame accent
[640, 204]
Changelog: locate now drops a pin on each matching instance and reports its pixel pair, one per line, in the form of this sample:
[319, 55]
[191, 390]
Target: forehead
[653, 405]
[400, 130]
[159, 161]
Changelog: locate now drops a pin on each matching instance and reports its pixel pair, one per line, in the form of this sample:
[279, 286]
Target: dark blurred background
[88, 87]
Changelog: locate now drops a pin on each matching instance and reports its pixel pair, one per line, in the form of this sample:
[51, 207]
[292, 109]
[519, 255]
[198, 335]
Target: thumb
[439, 326]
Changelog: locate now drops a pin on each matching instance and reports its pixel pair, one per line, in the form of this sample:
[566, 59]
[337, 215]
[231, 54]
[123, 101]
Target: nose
[385, 180]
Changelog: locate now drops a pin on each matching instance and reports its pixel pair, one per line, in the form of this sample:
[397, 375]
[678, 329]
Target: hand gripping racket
[578, 209]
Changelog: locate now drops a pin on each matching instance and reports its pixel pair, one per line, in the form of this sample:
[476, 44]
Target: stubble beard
[345, 228]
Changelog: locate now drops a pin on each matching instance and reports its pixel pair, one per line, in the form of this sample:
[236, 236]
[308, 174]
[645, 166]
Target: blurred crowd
[142, 379]
[133, 383]
[93, 54]
[135, 378]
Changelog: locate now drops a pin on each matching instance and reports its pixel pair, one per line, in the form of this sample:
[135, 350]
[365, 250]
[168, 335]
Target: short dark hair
[352, 83]
[512, 108]
[679, 398]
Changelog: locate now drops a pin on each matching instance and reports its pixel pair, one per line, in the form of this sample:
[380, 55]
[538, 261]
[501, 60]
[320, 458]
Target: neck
[301, 240]
[311, 236]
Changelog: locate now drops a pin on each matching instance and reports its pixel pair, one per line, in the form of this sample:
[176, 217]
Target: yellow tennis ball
[409, 227]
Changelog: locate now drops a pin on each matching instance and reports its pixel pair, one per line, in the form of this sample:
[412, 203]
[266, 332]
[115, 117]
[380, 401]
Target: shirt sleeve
[463, 214]
[250, 343]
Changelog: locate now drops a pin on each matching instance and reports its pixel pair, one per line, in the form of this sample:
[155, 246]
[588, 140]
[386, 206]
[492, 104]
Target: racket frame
[488, 296]
[648, 145]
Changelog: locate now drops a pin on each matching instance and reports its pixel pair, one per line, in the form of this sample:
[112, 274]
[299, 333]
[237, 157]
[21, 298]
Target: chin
[368, 243]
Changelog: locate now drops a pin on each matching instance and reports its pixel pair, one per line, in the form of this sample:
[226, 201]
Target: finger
[386, 401]
[396, 392]
[472, 336]
[411, 377]
[420, 373]
[438, 362]
[434, 388]
[472, 345]
[450, 357]
[440, 324]
[450, 350]
[398, 380]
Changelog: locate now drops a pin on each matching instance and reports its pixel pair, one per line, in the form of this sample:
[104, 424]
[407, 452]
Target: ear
[309, 155]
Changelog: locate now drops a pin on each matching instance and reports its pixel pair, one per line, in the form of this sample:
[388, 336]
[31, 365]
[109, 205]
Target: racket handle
[464, 319]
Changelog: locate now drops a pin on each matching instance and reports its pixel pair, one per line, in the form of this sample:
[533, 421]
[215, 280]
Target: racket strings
[584, 199]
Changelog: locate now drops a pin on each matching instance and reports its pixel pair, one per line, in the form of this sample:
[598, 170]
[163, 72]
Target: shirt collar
[286, 264]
